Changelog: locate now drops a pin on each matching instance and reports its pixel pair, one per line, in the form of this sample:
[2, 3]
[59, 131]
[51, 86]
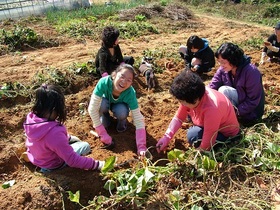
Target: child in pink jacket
[49, 146]
[211, 112]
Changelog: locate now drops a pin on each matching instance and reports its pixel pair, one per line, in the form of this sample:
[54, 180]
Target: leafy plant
[272, 11]
[12, 90]
[76, 28]
[140, 17]
[19, 37]
[109, 164]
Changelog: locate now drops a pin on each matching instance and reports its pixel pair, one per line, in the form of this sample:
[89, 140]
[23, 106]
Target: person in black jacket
[272, 46]
[109, 56]
[199, 57]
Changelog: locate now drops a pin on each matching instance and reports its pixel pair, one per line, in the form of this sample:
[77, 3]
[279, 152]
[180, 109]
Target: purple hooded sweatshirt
[48, 145]
[249, 87]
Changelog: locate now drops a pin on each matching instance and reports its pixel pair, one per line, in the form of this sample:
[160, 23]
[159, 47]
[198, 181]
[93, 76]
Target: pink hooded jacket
[48, 145]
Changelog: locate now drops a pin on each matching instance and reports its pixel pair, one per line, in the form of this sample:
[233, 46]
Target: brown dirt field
[35, 191]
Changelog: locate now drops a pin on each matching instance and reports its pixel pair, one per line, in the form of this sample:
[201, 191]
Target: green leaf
[74, 197]
[274, 148]
[110, 185]
[177, 195]
[140, 184]
[148, 175]
[8, 184]
[175, 154]
[109, 164]
[208, 163]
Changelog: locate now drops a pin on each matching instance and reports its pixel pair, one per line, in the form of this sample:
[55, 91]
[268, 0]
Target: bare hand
[267, 44]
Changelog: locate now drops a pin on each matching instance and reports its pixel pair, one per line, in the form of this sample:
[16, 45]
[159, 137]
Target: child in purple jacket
[241, 82]
[49, 146]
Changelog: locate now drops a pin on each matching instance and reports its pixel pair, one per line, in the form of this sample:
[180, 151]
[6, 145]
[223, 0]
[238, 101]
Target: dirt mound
[173, 12]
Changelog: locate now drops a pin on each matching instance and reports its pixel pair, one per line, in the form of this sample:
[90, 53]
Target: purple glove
[141, 140]
[173, 127]
[104, 137]
[104, 74]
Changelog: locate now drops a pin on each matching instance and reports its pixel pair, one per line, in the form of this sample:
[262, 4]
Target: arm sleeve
[253, 89]
[119, 54]
[182, 113]
[208, 60]
[61, 147]
[103, 59]
[188, 58]
[216, 81]
[138, 119]
[93, 109]
[270, 39]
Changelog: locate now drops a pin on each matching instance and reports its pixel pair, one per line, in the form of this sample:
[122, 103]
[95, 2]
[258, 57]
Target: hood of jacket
[206, 44]
[36, 128]
[245, 61]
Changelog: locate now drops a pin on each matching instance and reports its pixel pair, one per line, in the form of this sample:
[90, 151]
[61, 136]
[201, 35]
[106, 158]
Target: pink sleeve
[60, 145]
[211, 127]
[182, 112]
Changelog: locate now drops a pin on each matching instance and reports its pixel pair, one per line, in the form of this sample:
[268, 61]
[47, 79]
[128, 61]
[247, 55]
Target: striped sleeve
[138, 119]
[93, 109]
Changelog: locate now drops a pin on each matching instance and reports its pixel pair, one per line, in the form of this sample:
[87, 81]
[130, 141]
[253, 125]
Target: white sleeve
[138, 119]
[93, 109]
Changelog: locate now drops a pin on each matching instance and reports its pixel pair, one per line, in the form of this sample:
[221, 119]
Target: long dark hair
[49, 99]
[195, 42]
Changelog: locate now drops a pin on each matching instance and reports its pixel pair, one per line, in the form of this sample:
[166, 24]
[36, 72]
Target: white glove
[101, 164]
[262, 57]
[142, 153]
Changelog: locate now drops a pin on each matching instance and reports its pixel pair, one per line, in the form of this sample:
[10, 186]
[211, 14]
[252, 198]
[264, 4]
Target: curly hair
[230, 52]
[187, 86]
[50, 98]
[195, 42]
[109, 36]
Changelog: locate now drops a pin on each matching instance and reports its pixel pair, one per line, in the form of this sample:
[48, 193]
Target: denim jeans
[120, 111]
[230, 93]
[80, 147]
[195, 133]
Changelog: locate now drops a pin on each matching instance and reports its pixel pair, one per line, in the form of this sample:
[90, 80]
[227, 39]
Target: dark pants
[195, 133]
